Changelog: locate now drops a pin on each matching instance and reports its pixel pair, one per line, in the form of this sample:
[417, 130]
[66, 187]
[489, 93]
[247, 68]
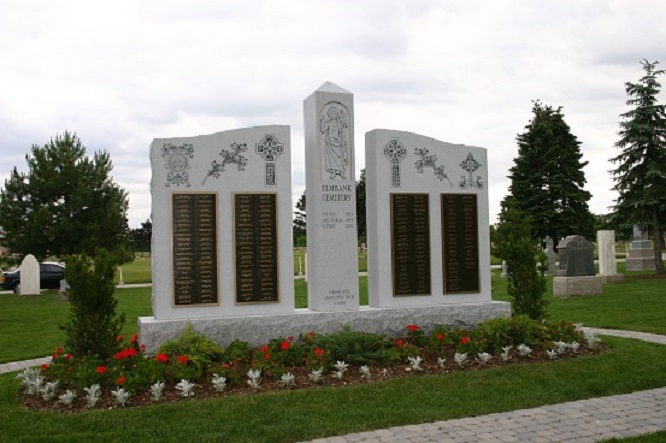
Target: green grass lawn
[299, 415]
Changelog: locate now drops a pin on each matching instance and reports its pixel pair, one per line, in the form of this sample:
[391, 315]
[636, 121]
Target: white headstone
[29, 276]
[332, 259]
[606, 245]
[427, 221]
[550, 256]
[222, 216]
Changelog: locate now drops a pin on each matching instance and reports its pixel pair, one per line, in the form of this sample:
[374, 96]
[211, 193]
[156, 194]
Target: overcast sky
[122, 73]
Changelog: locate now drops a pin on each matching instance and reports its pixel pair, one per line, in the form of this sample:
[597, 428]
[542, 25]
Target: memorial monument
[641, 254]
[577, 273]
[607, 263]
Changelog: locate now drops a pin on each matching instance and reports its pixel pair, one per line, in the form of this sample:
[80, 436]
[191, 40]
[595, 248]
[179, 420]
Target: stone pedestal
[612, 278]
[574, 286]
[259, 329]
[641, 255]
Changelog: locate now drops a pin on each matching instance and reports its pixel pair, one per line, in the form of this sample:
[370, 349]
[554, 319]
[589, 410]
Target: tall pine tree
[547, 178]
[640, 176]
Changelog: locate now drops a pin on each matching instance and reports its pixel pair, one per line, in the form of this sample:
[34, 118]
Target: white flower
[253, 380]
[287, 380]
[365, 372]
[460, 358]
[552, 353]
[440, 362]
[68, 397]
[156, 391]
[219, 383]
[94, 393]
[186, 388]
[315, 375]
[560, 347]
[523, 350]
[415, 363]
[483, 357]
[121, 396]
[341, 366]
[49, 390]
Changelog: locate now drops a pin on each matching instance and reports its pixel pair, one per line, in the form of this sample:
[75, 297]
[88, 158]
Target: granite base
[573, 286]
[259, 329]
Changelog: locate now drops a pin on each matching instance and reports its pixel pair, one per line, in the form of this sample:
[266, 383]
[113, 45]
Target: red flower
[135, 338]
[311, 335]
[319, 352]
[162, 358]
[59, 350]
[440, 336]
[44, 367]
[285, 345]
[120, 355]
[183, 359]
[101, 369]
[120, 380]
[68, 356]
[131, 352]
[399, 342]
[120, 338]
[142, 347]
[464, 340]
[264, 348]
[412, 328]
[267, 356]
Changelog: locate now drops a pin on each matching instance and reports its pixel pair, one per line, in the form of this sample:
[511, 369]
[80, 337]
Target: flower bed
[194, 367]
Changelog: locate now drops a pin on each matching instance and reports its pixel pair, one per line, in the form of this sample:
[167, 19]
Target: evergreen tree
[360, 207]
[93, 325]
[640, 176]
[300, 222]
[65, 204]
[547, 178]
[141, 237]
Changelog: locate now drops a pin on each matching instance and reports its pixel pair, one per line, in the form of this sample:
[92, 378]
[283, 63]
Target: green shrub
[360, 348]
[526, 283]
[93, 325]
[200, 351]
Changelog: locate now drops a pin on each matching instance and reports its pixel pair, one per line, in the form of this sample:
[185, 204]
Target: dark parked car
[50, 274]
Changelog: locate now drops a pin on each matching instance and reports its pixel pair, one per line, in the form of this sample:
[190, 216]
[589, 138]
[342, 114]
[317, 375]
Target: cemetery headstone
[426, 203]
[607, 262]
[505, 270]
[222, 238]
[29, 276]
[332, 260]
[577, 274]
[641, 255]
[550, 256]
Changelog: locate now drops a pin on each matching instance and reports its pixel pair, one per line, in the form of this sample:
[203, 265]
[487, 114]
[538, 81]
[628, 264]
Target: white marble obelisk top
[332, 259]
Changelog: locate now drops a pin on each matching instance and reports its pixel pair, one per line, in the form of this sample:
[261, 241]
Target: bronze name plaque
[460, 243]
[194, 243]
[410, 244]
[256, 248]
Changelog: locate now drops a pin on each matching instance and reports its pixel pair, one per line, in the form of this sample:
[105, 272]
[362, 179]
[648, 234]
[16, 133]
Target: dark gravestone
[578, 257]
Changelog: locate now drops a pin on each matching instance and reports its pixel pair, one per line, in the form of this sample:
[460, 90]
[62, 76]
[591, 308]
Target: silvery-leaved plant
[591, 338]
[253, 378]
[316, 374]
[440, 362]
[524, 350]
[68, 397]
[48, 391]
[483, 357]
[341, 367]
[32, 380]
[552, 353]
[385, 373]
[460, 358]
[156, 391]
[93, 394]
[219, 383]
[574, 346]
[121, 396]
[505, 352]
[578, 327]
[287, 380]
[560, 347]
[365, 372]
[415, 363]
[185, 388]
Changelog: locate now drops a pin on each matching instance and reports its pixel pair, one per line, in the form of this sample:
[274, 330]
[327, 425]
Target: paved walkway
[580, 421]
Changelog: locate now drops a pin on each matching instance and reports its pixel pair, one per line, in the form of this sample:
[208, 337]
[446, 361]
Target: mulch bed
[204, 389]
